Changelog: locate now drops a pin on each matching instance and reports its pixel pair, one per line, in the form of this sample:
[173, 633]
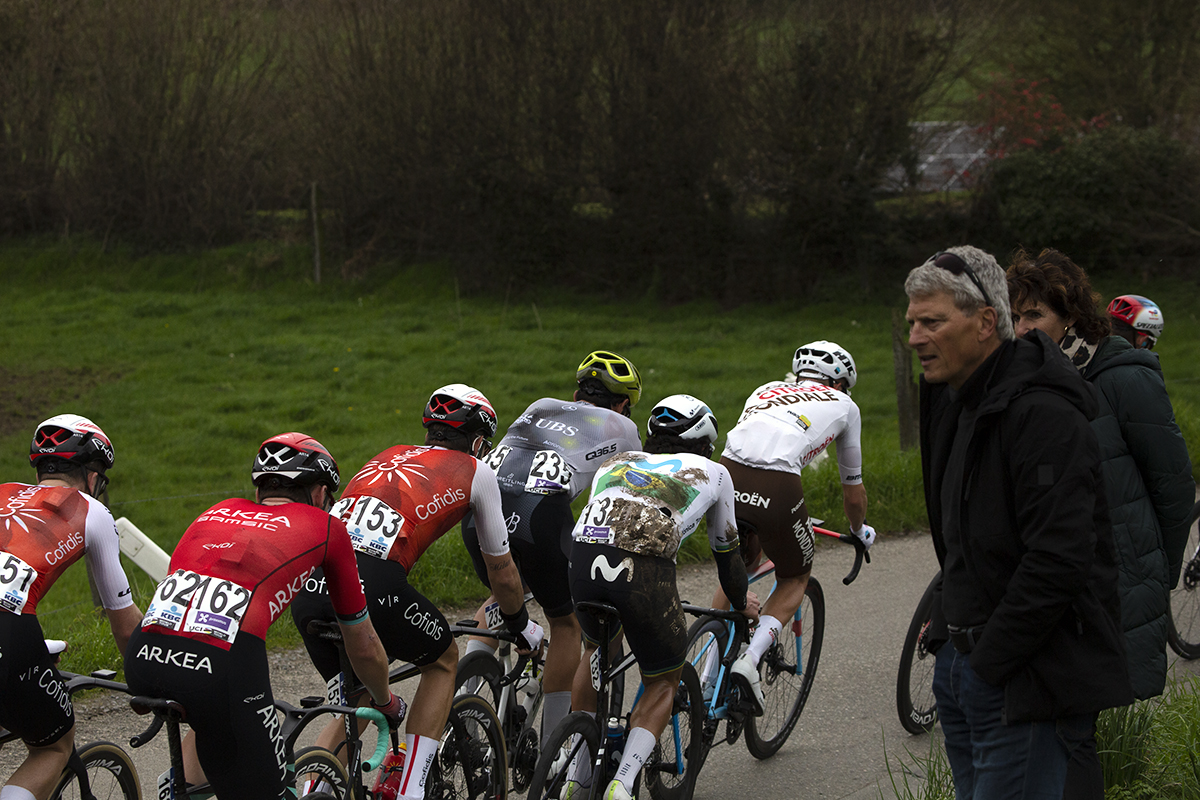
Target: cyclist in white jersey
[784, 426]
[643, 505]
[546, 459]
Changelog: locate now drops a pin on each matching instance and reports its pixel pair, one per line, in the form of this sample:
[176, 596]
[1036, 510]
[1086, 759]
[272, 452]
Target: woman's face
[1040, 316]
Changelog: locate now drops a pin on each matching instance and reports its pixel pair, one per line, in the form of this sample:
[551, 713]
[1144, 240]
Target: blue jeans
[989, 759]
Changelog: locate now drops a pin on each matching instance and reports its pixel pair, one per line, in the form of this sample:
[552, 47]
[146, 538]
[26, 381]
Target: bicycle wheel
[914, 682]
[671, 770]
[787, 670]
[707, 639]
[576, 731]
[471, 761]
[317, 763]
[110, 774]
[1183, 630]
[479, 673]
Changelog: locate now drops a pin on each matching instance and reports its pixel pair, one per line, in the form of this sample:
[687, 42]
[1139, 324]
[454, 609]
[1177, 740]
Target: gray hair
[928, 279]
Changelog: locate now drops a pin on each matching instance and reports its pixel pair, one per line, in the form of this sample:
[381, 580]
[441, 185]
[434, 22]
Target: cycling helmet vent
[825, 360]
[74, 439]
[684, 416]
[297, 457]
[1140, 313]
[616, 373]
[463, 408]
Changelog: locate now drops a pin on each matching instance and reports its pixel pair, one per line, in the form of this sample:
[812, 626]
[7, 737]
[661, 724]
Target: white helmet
[684, 416]
[825, 360]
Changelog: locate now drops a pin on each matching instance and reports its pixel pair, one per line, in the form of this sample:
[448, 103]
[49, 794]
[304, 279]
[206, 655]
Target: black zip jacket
[1020, 525]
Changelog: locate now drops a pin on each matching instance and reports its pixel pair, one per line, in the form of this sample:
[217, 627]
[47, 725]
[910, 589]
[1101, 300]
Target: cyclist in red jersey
[43, 530]
[234, 572]
[397, 505]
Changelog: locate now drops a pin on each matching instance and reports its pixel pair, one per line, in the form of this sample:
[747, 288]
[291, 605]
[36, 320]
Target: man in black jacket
[1020, 526]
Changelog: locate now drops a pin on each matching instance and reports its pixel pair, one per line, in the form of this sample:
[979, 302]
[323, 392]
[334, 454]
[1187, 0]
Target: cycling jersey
[406, 497]
[784, 426]
[240, 564]
[648, 504]
[45, 529]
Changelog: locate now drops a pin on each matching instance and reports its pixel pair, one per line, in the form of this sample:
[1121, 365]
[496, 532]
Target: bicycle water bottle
[387, 782]
[616, 736]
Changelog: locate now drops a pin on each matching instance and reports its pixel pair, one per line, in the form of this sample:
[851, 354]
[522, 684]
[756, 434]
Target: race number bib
[16, 579]
[492, 618]
[192, 603]
[496, 457]
[593, 527]
[549, 474]
[372, 523]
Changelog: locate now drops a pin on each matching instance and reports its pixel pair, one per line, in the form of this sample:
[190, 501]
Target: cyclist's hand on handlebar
[533, 635]
[865, 534]
[752, 608]
[395, 710]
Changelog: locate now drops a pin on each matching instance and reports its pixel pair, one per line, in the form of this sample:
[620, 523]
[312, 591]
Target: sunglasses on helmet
[954, 264]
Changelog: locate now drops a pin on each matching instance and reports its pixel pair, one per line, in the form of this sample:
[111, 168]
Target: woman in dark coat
[1148, 476]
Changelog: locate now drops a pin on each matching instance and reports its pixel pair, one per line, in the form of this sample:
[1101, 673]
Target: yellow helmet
[617, 373]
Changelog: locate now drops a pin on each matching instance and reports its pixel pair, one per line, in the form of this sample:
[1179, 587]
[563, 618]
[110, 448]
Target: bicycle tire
[577, 730]
[1183, 611]
[110, 772]
[915, 702]
[707, 635]
[474, 669]
[682, 738]
[787, 675]
[321, 762]
[472, 763]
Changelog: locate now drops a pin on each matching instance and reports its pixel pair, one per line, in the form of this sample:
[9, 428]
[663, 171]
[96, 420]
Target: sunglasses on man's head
[955, 265]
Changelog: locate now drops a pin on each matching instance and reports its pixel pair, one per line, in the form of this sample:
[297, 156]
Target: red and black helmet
[297, 457]
[74, 439]
[463, 408]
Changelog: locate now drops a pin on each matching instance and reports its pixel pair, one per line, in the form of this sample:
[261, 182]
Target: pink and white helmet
[1140, 313]
[72, 438]
[461, 407]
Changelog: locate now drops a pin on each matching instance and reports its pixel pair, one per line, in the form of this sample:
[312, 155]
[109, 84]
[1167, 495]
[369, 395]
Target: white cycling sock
[765, 635]
[422, 750]
[479, 646]
[555, 706]
[580, 769]
[637, 749]
[11, 792]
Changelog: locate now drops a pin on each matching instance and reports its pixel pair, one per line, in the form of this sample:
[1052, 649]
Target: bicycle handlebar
[860, 551]
[383, 739]
[469, 627]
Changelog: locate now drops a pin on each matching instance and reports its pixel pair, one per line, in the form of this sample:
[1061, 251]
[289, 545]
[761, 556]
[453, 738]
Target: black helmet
[75, 440]
[297, 457]
[462, 408]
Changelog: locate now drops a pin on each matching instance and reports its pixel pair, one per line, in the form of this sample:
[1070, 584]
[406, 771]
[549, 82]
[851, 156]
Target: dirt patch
[28, 398]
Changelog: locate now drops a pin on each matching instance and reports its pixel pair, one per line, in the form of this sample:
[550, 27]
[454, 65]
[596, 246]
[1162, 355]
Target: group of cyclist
[242, 563]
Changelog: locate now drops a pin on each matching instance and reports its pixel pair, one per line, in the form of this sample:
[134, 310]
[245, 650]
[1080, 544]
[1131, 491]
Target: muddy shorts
[770, 505]
[409, 625]
[34, 703]
[642, 589]
[539, 538]
[227, 694]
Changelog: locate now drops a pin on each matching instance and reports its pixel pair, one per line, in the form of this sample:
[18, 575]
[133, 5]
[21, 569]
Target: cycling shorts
[770, 505]
[34, 704]
[642, 589]
[539, 539]
[227, 694]
[409, 625]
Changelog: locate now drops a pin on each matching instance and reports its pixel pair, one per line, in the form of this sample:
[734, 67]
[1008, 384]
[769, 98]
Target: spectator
[1147, 473]
[1020, 527]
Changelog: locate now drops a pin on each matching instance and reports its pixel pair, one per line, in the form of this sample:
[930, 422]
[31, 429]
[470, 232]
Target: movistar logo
[610, 572]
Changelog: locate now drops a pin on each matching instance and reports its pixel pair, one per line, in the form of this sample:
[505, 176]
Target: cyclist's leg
[470, 537]
[34, 704]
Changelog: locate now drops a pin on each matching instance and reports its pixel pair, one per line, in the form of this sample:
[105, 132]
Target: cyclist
[1136, 319]
[643, 505]
[233, 573]
[45, 528]
[783, 427]
[400, 503]
[545, 460]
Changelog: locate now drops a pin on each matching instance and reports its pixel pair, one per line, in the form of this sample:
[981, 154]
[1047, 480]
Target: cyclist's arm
[103, 553]
[850, 467]
[363, 647]
[493, 544]
[123, 622]
[723, 538]
[854, 502]
[367, 655]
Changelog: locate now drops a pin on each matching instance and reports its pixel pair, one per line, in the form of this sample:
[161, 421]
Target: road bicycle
[786, 670]
[915, 702]
[96, 770]
[471, 760]
[670, 771]
[1183, 630]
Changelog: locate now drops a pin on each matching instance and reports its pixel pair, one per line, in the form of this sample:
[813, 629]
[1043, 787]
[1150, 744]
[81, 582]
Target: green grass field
[188, 361]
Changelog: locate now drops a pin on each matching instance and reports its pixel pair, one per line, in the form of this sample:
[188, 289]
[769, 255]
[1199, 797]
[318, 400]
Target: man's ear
[624, 407]
[322, 498]
[989, 321]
